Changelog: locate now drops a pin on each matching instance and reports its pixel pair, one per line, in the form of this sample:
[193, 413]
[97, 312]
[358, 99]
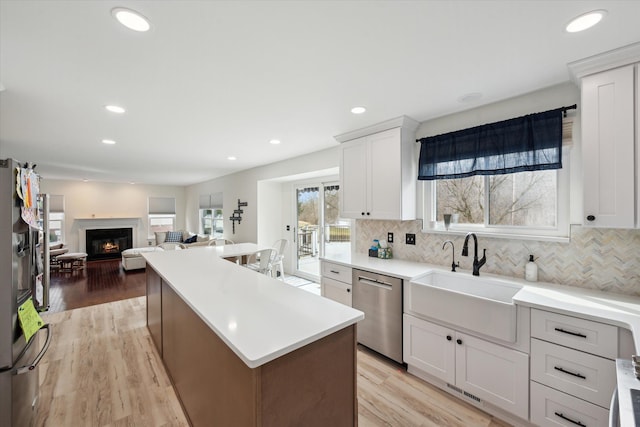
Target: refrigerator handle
[32, 365]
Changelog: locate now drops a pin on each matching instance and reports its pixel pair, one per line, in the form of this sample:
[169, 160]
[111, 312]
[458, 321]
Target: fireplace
[105, 243]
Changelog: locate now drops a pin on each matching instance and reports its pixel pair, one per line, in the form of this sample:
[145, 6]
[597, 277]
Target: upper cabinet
[608, 148]
[378, 171]
[610, 125]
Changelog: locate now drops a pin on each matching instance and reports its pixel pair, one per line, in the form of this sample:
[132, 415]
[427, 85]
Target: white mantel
[95, 223]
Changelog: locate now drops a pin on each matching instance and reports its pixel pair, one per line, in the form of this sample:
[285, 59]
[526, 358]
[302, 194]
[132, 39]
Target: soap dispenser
[531, 270]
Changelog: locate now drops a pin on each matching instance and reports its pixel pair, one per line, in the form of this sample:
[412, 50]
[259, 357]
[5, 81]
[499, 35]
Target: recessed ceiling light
[115, 109]
[85, 180]
[131, 19]
[108, 141]
[586, 20]
[231, 158]
[274, 141]
[132, 183]
[358, 110]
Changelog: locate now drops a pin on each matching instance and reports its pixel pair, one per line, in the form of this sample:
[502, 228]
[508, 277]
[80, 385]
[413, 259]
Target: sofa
[186, 238]
[132, 259]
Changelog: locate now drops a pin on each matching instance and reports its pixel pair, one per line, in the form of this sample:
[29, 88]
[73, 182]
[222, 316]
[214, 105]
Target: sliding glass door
[320, 229]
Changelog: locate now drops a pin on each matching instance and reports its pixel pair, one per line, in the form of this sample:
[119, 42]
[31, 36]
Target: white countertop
[258, 317]
[606, 307]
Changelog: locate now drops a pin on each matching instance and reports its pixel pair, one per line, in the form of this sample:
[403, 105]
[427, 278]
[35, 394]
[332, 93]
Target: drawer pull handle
[575, 334]
[564, 371]
[335, 272]
[578, 423]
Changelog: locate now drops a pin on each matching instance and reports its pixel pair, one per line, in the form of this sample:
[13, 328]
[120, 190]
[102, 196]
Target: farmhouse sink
[480, 304]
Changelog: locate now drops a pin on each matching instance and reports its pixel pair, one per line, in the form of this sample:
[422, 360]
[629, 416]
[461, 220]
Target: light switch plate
[410, 239]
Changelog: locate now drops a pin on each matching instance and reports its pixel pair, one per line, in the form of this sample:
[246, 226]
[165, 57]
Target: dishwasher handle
[374, 282]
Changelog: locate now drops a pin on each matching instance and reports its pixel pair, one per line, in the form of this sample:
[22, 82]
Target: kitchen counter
[614, 309]
[244, 349]
[258, 317]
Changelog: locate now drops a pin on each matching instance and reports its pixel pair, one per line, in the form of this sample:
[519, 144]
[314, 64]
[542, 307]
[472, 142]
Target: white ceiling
[219, 78]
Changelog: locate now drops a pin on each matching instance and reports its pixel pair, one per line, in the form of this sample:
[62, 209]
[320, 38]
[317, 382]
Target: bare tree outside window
[525, 199]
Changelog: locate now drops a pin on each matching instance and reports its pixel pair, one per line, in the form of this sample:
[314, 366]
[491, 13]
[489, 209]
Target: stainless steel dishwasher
[380, 298]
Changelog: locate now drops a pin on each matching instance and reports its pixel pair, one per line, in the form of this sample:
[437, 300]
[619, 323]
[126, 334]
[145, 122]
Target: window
[162, 215]
[56, 227]
[505, 177]
[212, 222]
[56, 219]
[211, 217]
[525, 203]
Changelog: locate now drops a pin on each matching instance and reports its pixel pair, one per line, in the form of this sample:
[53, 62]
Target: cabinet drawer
[550, 407]
[586, 335]
[337, 291]
[583, 375]
[336, 272]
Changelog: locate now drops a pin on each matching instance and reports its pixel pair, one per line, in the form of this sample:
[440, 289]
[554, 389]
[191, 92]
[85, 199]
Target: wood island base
[314, 385]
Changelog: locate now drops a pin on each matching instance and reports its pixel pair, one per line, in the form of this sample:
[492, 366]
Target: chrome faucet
[453, 255]
[465, 252]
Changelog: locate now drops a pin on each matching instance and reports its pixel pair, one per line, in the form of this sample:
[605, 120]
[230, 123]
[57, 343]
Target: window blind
[56, 203]
[162, 206]
[211, 201]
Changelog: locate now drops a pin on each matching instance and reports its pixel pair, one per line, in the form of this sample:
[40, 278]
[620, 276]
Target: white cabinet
[378, 173]
[573, 371]
[608, 148]
[488, 371]
[335, 282]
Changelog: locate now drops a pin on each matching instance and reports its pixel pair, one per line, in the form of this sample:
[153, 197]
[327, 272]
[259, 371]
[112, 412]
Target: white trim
[85, 224]
[560, 233]
[615, 58]
[405, 122]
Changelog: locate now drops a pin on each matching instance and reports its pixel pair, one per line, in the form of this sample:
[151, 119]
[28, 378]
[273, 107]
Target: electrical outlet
[390, 237]
[410, 239]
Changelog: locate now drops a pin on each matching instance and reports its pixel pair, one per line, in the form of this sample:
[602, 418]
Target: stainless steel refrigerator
[23, 240]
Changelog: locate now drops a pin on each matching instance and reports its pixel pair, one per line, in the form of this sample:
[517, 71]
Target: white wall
[110, 200]
[244, 186]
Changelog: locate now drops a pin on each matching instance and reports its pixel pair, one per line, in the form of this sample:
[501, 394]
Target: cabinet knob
[362, 213]
[459, 341]
[368, 213]
[591, 218]
[348, 290]
[449, 338]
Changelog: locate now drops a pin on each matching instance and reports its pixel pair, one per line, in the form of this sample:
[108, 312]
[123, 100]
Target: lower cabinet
[335, 282]
[550, 407]
[573, 369]
[337, 291]
[488, 371]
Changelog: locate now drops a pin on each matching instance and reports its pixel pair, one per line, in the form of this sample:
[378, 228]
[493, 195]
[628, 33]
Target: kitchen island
[244, 349]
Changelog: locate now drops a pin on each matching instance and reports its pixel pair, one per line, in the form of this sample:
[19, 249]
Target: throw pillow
[191, 239]
[174, 236]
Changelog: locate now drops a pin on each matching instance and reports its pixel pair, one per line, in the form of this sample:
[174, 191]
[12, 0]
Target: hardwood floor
[103, 370]
[100, 282]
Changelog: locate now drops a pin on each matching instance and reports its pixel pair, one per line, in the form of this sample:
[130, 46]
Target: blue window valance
[527, 143]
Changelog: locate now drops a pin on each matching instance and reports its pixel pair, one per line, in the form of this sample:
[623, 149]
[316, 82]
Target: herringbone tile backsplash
[602, 259]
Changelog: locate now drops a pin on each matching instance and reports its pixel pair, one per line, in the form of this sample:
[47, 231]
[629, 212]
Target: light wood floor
[103, 370]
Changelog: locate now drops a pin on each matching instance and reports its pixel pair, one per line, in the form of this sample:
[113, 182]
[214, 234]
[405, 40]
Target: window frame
[558, 233]
[214, 220]
[151, 234]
